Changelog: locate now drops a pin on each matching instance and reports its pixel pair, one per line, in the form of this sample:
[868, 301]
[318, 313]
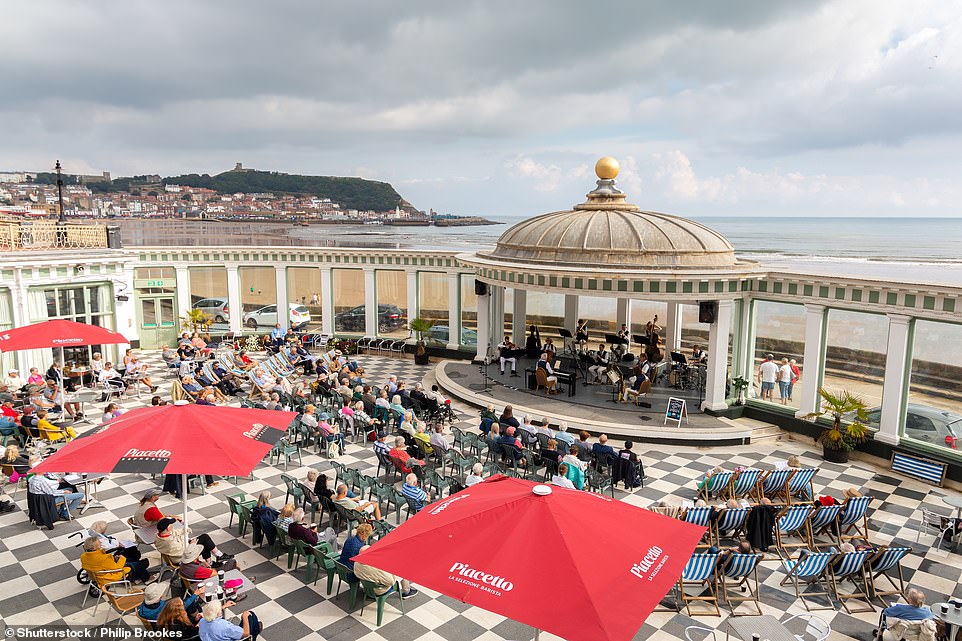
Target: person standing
[784, 381]
[767, 375]
[796, 375]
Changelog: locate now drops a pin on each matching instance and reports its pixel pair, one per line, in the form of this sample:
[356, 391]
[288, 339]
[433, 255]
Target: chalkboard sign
[676, 410]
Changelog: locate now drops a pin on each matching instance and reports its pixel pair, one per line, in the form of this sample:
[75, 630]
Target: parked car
[266, 316]
[927, 424]
[440, 333]
[216, 307]
[389, 318]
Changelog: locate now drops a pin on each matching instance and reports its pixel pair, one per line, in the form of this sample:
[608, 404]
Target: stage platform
[591, 407]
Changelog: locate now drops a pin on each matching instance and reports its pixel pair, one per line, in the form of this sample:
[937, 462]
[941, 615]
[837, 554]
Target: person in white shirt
[475, 476]
[560, 479]
[544, 428]
[111, 381]
[596, 372]
[767, 375]
[506, 355]
[528, 427]
[785, 375]
[13, 381]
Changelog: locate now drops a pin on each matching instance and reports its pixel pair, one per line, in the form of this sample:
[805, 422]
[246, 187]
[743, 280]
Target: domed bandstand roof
[607, 244]
[608, 231]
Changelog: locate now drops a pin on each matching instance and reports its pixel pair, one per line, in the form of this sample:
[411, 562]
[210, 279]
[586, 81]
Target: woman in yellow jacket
[95, 560]
[51, 432]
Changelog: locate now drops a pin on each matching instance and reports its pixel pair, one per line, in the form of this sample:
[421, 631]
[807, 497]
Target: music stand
[568, 342]
[678, 357]
[614, 378]
[640, 339]
[614, 339]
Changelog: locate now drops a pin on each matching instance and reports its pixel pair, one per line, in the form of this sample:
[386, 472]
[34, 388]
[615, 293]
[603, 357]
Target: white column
[571, 312]
[414, 310]
[484, 326]
[125, 312]
[370, 303]
[183, 290]
[234, 299]
[497, 314]
[327, 302]
[519, 315]
[21, 318]
[897, 361]
[454, 310]
[623, 314]
[814, 360]
[743, 340]
[280, 283]
[718, 358]
[672, 327]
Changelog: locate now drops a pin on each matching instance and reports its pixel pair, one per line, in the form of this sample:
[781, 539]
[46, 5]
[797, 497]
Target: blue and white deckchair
[731, 519]
[811, 568]
[700, 516]
[800, 485]
[885, 560]
[700, 571]
[793, 520]
[851, 566]
[745, 483]
[773, 484]
[716, 485]
[854, 512]
[740, 571]
[825, 519]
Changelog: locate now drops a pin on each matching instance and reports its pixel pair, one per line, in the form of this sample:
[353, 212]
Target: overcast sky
[752, 107]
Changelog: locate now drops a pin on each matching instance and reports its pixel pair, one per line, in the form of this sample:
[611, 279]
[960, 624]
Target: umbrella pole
[537, 634]
[183, 497]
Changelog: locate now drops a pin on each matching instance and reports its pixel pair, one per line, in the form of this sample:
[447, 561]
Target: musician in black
[596, 372]
[581, 334]
[549, 347]
[698, 355]
[544, 363]
[507, 353]
[619, 349]
[640, 374]
[532, 346]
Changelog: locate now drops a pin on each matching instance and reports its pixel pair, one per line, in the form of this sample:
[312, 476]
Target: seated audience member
[101, 567]
[194, 567]
[214, 627]
[423, 437]
[573, 457]
[111, 380]
[352, 547]
[474, 476]
[18, 461]
[562, 436]
[13, 381]
[396, 405]
[561, 477]
[175, 622]
[574, 474]
[53, 392]
[285, 517]
[154, 601]
[381, 446]
[170, 356]
[438, 440]
[137, 370]
[9, 419]
[408, 424]
[112, 544]
[415, 496]
[543, 427]
[64, 496]
[507, 417]
[914, 609]
[383, 581]
[147, 514]
[52, 432]
[359, 505]
[382, 400]
[584, 447]
[35, 378]
[299, 531]
[173, 542]
[330, 431]
[551, 452]
[111, 412]
[601, 450]
[510, 444]
[403, 457]
[29, 423]
[156, 401]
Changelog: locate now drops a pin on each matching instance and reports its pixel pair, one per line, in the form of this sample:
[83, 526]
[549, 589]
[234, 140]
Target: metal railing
[47, 234]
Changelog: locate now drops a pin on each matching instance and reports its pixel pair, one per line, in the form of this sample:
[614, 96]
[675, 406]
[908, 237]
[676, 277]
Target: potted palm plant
[419, 326]
[196, 321]
[848, 414]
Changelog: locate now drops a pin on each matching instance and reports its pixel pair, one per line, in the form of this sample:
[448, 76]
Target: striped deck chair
[851, 566]
[813, 569]
[854, 512]
[740, 571]
[793, 521]
[700, 516]
[800, 485]
[699, 572]
[256, 390]
[228, 362]
[824, 520]
[730, 519]
[716, 485]
[774, 482]
[745, 483]
[886, 560]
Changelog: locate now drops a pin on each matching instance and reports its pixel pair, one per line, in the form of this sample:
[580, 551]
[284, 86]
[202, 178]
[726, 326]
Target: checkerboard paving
[39, 566]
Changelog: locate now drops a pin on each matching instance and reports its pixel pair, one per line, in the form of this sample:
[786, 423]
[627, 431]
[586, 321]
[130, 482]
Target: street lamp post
[61, 235]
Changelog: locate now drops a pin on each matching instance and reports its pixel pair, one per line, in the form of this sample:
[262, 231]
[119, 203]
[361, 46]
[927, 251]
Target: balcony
[34, 235]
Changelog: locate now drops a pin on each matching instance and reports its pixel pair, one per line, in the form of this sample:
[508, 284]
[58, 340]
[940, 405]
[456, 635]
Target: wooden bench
[919, 467]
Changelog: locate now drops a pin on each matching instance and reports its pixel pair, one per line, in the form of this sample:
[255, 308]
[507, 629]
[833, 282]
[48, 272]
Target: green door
[158, 323]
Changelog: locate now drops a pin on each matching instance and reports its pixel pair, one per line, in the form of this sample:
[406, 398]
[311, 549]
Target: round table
[82, 397]
[952, 618]
[956, 502]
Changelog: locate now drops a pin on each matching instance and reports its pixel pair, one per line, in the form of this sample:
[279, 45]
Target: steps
[761, 432]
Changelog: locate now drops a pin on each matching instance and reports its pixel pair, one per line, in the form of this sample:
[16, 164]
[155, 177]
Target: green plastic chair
[321, 556]
[380, 599]
[299, 548]
[342, 574]
[234, 501]
[281, 541]
[243, 518]
[293, 490]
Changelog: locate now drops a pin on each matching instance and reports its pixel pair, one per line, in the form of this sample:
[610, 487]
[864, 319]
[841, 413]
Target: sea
[910, 249]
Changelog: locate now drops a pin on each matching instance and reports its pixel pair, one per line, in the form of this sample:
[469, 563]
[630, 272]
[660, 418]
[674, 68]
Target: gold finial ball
[607, 168]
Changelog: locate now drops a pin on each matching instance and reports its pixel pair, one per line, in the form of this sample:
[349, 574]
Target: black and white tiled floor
[39, 566]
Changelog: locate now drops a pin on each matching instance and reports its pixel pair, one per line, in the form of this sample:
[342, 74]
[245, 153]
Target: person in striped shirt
[414, 494]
